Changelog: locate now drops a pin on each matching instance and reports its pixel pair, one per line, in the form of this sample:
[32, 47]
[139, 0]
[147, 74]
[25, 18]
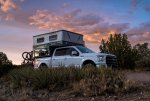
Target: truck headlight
[100, 58]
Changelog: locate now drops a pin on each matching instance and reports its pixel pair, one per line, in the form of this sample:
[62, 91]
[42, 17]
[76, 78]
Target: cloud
[134, 3]
[7, 5]
[141, 29]
[87, 20]
[8, 8]
[92, 26]
[66, 5]
[140, 34]
[147, 8]
[9, 17]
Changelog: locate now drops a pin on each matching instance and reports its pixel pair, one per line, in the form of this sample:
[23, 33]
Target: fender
[87, 61]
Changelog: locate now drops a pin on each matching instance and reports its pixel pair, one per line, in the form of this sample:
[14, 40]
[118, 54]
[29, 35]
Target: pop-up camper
[45, 43]
[58, 38]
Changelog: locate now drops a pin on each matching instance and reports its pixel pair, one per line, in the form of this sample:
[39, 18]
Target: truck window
[62, 52]
[84, 49]
[72, 49]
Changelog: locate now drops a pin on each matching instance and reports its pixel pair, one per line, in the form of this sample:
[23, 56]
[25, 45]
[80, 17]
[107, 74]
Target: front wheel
[89, 65]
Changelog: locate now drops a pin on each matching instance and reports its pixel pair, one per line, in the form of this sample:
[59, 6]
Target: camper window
[39, 40]
[52, 37]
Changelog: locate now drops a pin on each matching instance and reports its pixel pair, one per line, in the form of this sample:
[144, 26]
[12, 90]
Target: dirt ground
[139, 76]
[27, 95]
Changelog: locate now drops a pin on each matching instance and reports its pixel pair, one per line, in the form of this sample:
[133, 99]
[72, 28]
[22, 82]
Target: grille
[111, 61]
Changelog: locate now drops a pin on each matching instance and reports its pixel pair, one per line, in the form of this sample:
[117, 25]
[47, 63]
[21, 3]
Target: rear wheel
[43, 66]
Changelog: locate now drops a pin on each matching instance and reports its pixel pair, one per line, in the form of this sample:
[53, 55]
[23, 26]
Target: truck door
[59, 57]
[73, 60]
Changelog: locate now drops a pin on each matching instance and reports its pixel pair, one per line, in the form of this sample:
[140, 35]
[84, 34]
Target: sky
[20, 20]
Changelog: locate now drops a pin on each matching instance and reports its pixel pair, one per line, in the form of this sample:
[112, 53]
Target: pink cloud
[7, 5]
[92, 26]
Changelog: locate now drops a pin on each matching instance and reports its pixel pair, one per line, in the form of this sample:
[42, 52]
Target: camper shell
[49, 41]
[58, 38]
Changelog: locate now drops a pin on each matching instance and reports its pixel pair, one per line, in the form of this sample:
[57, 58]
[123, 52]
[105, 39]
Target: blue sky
[95, 19]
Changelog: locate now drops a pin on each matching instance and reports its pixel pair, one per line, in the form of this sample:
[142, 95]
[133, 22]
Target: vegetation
[143, 55]
[86, 82]
[4, 60]
[128, 56]
[5, 64]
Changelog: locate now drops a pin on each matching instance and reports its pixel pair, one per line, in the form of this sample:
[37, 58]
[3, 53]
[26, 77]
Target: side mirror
[74, 53]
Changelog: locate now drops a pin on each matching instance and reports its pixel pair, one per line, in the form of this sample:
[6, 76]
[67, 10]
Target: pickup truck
[78, 56]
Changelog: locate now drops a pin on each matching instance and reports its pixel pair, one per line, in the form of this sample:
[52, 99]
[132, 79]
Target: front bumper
[101, 64]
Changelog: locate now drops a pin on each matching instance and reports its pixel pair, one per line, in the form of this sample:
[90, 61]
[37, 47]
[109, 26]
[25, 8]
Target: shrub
[21, 76]
[144, 62]
[86, 82]
[4, 69]
[44, 78]
[105, 81]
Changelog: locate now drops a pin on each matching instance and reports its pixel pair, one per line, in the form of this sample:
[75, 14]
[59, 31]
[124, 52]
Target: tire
[89, 65]
[43, 66]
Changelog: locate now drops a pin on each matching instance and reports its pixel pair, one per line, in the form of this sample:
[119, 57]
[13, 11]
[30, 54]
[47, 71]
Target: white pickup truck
[77, 56]
[65, 48]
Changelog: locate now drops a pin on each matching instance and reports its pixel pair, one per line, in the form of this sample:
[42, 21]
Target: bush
[144, 62]
[44, 78]
[103, 82]
[87, 81]
[4, 69]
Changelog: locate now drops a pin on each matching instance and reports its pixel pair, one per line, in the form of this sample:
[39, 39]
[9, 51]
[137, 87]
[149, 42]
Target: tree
[142, 49]
[119, 45]
[4, 60]
[143, 59]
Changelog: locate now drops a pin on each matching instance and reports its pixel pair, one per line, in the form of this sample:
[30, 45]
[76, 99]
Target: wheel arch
[87, 62]
[43, 64]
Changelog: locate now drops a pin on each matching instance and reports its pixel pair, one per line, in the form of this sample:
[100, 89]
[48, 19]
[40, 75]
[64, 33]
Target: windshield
[84, 49]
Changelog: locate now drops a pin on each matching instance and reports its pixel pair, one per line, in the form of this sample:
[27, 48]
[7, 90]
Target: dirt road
[139, 76]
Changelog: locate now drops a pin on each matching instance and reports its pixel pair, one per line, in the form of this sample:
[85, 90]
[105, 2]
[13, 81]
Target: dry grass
[86, 82]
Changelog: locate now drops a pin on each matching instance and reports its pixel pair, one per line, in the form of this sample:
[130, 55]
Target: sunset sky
[20, 20]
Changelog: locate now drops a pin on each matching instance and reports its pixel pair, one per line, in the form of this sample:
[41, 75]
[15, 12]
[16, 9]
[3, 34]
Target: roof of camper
[57, 31]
